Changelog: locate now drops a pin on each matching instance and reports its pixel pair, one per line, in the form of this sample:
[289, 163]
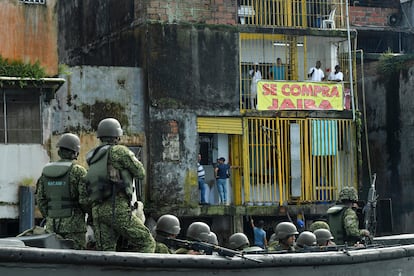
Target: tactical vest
[60, 204]
[103, 179]
[336, 223]
[99, 187]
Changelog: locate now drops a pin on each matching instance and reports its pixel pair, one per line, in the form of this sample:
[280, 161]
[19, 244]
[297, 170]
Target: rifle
[369, 210]
[207, 248]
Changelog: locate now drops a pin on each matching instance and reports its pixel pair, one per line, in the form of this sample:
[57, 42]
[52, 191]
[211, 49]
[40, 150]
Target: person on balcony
[277, 71]
[336, 75]
[316, 73]
[256, 75]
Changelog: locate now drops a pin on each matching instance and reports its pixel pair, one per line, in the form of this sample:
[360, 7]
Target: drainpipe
[365, 112]
[350, 61]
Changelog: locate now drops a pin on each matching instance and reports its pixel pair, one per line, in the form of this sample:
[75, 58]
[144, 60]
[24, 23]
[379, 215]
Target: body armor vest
[336, 224]
[60, 204]
[103, 178]
[99, 187]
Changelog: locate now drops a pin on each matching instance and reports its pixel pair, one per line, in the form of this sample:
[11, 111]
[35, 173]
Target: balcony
[322, 14]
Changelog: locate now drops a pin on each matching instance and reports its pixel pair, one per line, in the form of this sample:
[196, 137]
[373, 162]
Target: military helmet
[319, 224]
[109, 127]
[198, 231]
[238, 241]
[322, 236]
[348, 193]
[69, 141]
[306, 238]
[212, 238]
[285, 229]
[168, 224]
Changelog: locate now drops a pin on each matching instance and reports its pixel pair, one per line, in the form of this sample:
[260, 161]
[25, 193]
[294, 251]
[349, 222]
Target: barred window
[40, 2]
[20, 117]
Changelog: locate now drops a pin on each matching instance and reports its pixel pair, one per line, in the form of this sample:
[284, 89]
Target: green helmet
[238, 241]
[109, 127]
[69, 141]
[319, 225]
[322, 236]
[306, 238]
[168, 224]
[198, 231]
[285, 229]
[348, 194]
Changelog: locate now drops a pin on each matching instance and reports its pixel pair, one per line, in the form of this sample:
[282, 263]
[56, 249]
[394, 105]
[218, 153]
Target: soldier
[58, 191]
[111, 170]
[324, 237]
[305, 239]
[318, 224]
[197, 231]
[343, 220]
[240, 242]
[285, 233]
[168, 226]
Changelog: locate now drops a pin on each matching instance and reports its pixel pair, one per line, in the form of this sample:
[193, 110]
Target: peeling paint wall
[29, 33]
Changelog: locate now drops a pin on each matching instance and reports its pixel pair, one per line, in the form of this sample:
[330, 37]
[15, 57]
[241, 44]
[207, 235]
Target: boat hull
[387, 261]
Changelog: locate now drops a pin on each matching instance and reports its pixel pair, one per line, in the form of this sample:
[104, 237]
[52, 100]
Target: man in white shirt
[337, 75]
[316, 73]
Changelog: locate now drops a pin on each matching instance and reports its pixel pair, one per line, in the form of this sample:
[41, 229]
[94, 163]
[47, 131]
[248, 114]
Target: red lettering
[325, 105]
[286, 90]
[316, 90]
[309, 104]
[307, 90]
[300, 104]
[295, 90]
[275, 105]
[325, 91]
[269, 89]
[287, 104]
[334, 92]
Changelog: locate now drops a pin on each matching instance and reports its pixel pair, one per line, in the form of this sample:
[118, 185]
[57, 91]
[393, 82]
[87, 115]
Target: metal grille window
[41, 2]
[292, 13]
[307, 160]
[20, 116]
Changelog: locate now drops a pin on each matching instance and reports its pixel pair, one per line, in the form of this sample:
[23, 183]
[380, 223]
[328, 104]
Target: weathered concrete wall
[91, 94]
[29, 33]
[390, 113]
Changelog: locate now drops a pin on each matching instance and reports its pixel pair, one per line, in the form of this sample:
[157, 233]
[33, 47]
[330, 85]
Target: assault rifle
[207, 248]
[369, 210]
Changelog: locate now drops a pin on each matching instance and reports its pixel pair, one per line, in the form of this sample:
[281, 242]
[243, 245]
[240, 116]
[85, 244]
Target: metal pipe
[350, 61]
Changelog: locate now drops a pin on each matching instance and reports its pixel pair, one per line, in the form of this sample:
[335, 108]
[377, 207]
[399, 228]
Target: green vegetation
[390, 63]
[19, 69]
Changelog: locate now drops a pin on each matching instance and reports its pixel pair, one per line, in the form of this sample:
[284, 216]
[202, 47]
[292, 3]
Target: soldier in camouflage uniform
[319, 224]
[58, 191]
[168, 226]
[197, 231]
[112, 168]
[343, 220]
[285, 233]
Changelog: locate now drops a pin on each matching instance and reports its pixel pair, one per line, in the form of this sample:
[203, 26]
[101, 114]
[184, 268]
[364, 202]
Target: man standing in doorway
[202, 186]
[222, 173]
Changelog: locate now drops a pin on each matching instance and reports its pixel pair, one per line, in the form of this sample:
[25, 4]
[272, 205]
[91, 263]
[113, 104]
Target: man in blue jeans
[201, 182]
[222, 173]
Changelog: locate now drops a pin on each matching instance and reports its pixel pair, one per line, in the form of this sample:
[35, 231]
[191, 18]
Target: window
[20, 116]
[41, 2]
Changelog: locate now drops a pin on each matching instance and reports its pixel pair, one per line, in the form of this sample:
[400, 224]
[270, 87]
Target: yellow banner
[290, 95]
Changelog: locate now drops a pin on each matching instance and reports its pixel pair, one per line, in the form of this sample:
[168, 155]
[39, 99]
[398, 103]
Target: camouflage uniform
[73, 227]
[351, 224]
[318, 225]
[162, 248]
[113, 217]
